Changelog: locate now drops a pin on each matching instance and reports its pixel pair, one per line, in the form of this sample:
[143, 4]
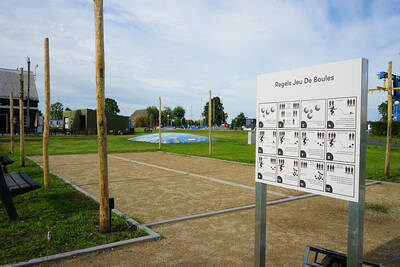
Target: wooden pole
[159, 122]
[46, 127]
[389, 122]
[11, 123]
[209, 124]
[21, 118]
[101, 117]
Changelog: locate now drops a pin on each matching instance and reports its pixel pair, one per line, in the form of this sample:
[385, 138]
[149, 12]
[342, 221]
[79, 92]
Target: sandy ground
[227, 239]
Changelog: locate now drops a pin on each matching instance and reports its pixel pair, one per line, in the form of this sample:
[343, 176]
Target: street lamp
[36, 66]
[396, 104]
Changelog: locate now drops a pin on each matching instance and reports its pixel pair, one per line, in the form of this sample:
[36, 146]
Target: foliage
[379, 128]
[238, 121]
[179, 116]
[218, 115]
[383, 110]
[151, 116]
[166, 116]
[111, 106]
[56, 111]
[140, 121]
[67, 109]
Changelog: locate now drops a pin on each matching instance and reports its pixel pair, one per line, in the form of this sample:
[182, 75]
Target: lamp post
[396, 106]
[36, 66]
[28, 119]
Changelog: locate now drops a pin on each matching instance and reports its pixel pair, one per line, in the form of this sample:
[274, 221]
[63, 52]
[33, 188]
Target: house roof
[9, 81]
[137, 113]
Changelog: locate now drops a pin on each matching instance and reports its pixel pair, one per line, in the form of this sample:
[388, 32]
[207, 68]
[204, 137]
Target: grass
[394, 138]
[377, 207]
[71, 217]
[231, 145]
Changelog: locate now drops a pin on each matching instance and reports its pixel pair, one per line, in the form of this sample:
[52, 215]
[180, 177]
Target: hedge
[378, 128]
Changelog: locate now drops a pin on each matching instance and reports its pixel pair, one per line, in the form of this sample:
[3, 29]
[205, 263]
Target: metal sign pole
[356, 209]
[260, 219]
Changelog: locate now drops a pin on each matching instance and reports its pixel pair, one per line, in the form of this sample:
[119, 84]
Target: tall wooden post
[46, 127]
[389, 121]
[11, 123]
[21, 118]
[101, 117]
[159, 122]
[209, 124]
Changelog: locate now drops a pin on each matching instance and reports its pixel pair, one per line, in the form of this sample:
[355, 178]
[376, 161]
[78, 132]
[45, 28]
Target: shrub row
[379, 128]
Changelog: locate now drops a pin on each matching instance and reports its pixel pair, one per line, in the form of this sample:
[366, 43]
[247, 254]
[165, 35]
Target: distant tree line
[169, 117]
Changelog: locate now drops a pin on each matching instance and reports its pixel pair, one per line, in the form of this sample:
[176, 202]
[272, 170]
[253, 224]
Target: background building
[9, 81]
[84, 121]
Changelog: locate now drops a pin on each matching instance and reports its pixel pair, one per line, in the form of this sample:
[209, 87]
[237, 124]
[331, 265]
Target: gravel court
[228, 239]
[230, 171]
[148, 193]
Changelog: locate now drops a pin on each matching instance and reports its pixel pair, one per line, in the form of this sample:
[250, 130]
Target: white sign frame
[333, 91]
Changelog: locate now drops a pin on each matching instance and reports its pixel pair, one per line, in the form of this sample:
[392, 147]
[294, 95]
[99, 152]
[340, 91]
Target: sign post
[311, 137]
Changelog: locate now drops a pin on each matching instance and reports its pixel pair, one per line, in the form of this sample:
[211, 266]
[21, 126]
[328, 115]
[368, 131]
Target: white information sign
[308, 128]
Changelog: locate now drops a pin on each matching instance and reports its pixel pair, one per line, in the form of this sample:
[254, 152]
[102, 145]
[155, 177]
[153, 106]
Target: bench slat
[19, 181]
[29, 180]
[12, 186]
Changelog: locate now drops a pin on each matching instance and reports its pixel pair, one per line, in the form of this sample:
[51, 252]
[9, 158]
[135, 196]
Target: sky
[179, 50]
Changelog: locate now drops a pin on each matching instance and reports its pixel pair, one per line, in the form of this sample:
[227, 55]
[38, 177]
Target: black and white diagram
[288, 171]
[313, 114]
[341, 113]
[312, 128]
[288, 143]
[340, 179]
[341, 146]
[266, 168]
[289, 114]
[267, 115]
[267, 142]
[312, 144]
[312, 174]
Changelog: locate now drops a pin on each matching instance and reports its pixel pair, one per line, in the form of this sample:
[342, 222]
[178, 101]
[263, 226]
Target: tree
[67, 109]
[166, 116]
[56, 111]
[152, 115]
[111, 106]
[178, 115]
[383, 110]
[239, 121]
[218, 115]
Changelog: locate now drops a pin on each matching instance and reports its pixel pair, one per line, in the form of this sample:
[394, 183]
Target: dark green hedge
[378, 128]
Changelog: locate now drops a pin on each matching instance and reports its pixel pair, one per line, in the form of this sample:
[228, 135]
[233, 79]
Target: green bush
[378, 128]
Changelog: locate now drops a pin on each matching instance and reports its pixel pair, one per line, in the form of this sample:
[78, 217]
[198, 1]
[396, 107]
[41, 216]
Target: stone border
[152, 235]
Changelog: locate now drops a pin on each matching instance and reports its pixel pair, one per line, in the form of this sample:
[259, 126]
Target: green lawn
[231, 145]
[72, 218]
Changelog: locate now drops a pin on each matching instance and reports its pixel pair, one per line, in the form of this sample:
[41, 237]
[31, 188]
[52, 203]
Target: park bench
[329, 258]
[13, 184]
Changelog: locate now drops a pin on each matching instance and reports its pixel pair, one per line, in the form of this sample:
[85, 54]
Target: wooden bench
[13, 184]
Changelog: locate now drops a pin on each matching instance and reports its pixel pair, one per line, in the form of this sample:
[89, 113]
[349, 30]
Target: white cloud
[180, 49]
